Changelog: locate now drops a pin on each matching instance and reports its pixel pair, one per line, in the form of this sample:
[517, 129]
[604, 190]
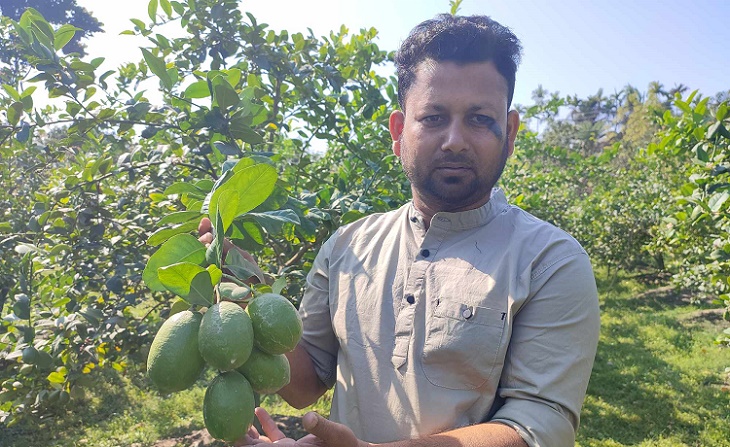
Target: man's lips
[452, 167]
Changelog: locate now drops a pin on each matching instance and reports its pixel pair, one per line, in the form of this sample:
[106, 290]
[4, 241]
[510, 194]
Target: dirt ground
[291, 426]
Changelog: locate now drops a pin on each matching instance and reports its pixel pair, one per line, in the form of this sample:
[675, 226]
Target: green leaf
[12, 92]
[241, 267]
[234, 76]
[241, 131]
[224, 95]
[252, 185]
[197, 89]
[158, 67]
[227, 209]
[56, 377]
[283, 216]
[179, 248]
[220, 237]
[279, 285]
[139, 24]
[64, 35]
[716, 201]
[190, 281]
[164, 234]
[167, 7]
[216, 274]
[94, 316]
[184, 188]
[273, 220]
[721, 111]
[152, 10]
[179, 8]
[39, 27]
[179, 217]
[82, 66]
[227, 148]
[15, 111]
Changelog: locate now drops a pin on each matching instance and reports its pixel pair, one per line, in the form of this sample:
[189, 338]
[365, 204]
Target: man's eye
[482, 120]
[432, 119]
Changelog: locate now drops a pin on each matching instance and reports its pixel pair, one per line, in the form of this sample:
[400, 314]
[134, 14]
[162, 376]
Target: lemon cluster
[246, 347]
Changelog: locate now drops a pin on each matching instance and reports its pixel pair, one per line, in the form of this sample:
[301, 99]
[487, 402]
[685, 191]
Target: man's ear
[513, 126]
[395, 125]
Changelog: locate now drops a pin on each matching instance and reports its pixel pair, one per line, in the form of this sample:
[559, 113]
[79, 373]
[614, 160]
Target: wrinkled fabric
[491, 314]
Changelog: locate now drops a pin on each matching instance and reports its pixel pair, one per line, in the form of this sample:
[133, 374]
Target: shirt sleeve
[551, 353]
[318, 337]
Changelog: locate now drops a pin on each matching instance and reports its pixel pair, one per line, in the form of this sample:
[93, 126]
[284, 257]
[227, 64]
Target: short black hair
[458, 39]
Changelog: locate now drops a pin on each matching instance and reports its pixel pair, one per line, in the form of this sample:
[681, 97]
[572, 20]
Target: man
[456, 320]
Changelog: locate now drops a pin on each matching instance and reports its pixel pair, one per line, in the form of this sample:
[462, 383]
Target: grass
[658, 378]
[658, 381]
[123, 411]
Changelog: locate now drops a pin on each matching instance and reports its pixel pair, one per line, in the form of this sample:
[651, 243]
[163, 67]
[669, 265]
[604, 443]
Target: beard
[454, 192]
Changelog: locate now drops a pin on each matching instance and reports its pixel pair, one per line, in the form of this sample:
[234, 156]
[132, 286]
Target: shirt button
[425, 253]
[467, 313]
[414, 219]
[411, 299]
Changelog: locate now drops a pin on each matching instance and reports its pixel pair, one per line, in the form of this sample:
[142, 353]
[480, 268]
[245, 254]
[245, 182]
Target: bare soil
[291, 426]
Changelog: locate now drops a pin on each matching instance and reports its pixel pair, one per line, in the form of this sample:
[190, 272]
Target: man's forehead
[428, 78]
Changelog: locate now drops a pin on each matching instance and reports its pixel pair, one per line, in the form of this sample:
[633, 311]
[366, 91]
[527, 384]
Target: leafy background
[95, 176]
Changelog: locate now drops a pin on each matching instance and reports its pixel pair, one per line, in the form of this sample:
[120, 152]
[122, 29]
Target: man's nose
[455, 137]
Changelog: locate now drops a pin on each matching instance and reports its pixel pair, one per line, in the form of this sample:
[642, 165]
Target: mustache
[454, 158]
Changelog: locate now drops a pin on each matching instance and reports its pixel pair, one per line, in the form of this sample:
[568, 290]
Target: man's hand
[323, 433]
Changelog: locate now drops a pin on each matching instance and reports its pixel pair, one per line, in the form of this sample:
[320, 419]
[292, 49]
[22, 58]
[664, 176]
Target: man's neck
[427, 211]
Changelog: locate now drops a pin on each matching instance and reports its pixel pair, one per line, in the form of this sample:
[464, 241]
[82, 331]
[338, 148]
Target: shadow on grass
[634, 395]
[109, 396]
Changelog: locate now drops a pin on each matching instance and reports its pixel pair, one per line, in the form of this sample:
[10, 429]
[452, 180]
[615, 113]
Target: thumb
[314, 423]
[330, 432]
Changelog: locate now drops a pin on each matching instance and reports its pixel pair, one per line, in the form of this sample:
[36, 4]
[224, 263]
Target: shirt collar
[466, 219]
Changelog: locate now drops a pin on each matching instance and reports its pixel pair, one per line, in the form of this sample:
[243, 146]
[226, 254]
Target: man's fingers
[205, 226]
[330, 432]
[269, 425]
[205, 231]
[206, 239]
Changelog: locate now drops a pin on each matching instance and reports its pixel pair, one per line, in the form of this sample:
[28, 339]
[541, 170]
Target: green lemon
[277, 326]
[228, 406]
[174, 362]
[233, 292]
[226, 336]
[226, 289]
[266, 373]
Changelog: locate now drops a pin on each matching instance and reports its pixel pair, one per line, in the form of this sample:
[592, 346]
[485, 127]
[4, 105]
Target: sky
[569, 46]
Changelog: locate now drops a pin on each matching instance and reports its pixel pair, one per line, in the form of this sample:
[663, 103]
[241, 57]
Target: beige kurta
[491, 314]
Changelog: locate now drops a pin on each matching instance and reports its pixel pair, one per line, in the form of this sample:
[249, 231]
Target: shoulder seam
[545, 267]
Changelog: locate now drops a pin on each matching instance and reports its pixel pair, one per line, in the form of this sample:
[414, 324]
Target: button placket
[412, 294]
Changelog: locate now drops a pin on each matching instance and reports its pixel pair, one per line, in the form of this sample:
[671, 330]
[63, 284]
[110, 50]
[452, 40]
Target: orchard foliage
[99, 178]
[102, 168]
[697, 225]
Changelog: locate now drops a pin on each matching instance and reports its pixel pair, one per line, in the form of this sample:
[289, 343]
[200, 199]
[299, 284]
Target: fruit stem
[235, 280]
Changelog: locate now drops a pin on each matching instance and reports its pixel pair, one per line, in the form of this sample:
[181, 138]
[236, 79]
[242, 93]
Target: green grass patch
[658, 378]
[123, 410]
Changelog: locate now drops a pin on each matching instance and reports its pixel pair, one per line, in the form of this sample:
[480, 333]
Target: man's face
[453, 137]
